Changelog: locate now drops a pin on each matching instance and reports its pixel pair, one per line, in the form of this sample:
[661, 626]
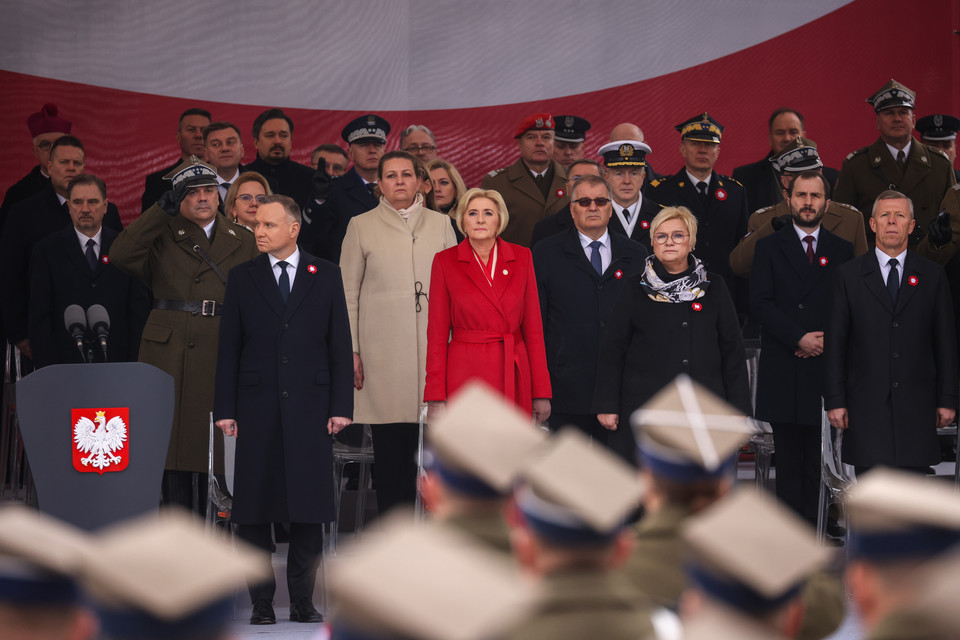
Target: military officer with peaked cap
[840, 219]
[626, 168]
[182, 248]
[718, 202]
[533, 187]
[896, 160]
[568, 139]
[939, 131]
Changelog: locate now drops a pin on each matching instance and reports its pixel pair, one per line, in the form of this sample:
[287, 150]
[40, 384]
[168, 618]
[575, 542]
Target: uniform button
[191, 345]
[197, 280]
[284, 394]
[284, 360]
[896, 355]
[285, 326]
[896, 324]
[684, 324]
[685, 362]
[602, 324]
[896, 384]
[93, 285]
[600, 286]
[800, 306]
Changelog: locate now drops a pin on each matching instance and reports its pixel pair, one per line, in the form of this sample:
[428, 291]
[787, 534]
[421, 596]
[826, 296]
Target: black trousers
[306, 545]
[395, 464]
[187, 489]
[621, 442]
[797, 448]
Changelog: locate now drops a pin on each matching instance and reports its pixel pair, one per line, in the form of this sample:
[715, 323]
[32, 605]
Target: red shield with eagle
[100, 439]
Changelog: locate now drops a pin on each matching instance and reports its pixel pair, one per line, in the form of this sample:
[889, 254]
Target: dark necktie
[626, 215]
[284, 282]
[702, 188]
[893, 282]
[371, 186]
[901, 160]
[91, 254]
[595, 256]
[809, 240]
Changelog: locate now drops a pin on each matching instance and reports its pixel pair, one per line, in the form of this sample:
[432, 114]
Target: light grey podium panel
[46, 400]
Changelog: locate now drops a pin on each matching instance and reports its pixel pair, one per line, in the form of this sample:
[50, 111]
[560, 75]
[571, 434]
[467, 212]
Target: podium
[96, 437]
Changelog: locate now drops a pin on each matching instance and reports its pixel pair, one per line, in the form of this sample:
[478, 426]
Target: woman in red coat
[484, 317]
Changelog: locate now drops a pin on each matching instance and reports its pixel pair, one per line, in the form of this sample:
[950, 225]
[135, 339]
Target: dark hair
[195, 111]
[809, 174]
[67, 141]
[330, 148]
[219, 126]
[87, 178]
[393, 155]
[592, 163]
[289, 205]
[779, 112]
[588, 180]
[270, 114]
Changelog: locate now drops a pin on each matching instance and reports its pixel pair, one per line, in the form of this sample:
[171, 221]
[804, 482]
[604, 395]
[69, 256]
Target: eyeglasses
[416, 148]
[246, 198]
[44, 145]
[677, 236]
[585, 202]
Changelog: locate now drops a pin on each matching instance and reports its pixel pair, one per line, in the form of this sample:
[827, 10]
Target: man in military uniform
[190, 128]
[563, 220]
[897, 161]
[572, 537]
[477, 446]
[718, 202]
[182, 248]
[940, 132]
[533, 187]
[629, 131]
[759, 179]
[840, 219]
[625, 163]
[568, 139]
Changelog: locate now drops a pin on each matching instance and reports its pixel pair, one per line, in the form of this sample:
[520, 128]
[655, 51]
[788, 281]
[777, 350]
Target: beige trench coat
[385, 261]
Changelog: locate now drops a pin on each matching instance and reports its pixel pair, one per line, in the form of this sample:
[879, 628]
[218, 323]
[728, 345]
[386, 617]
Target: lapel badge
[181, 232]
[231, 232]
[696, 306]
[312, 268]
[680, 184]
[913, 281]
[561, 193]
[877, 159]
[644, 224]
[100, 444]
[823, 261]
[721, 194]
[618, 274]
[105, 259]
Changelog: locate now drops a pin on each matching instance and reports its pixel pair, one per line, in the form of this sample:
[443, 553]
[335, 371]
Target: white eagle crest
[100, 439]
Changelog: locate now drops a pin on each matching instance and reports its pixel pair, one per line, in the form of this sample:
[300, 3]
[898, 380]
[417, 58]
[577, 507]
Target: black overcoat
[282, 371]
[349, 197]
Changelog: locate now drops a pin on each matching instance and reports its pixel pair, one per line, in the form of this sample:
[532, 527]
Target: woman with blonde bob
[244, 196]
[448, 186]
[485, 313]
[675, 317]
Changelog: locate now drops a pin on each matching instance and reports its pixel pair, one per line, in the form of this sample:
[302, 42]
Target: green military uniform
[158, 249]
[486, 526]
[869, 171]
[943, 255]
[526, 204]
[839, 218]
[587, 604]
[902, 625]
[656, 565]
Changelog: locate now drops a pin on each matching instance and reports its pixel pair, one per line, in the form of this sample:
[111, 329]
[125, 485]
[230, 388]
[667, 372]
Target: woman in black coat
[673, 318]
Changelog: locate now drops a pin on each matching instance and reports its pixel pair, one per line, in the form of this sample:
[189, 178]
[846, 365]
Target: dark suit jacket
[563, 220]
[60, 277]
[282, 371]
[30, 184]
[789, 297]
[349, 197]
[287, 178]
[30, 221]
[762, 184]
[575, 304]
[890, 366]
[154, 186]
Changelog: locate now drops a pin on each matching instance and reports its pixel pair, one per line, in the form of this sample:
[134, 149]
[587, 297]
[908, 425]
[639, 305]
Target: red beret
[536, 122]
[46, 121]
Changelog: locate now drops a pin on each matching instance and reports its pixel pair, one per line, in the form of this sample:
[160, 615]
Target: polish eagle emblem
[99, 442]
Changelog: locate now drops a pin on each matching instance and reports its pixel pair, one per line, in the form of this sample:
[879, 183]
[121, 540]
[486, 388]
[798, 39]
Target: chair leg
[363, 481]
[822, 513]
[331, 544]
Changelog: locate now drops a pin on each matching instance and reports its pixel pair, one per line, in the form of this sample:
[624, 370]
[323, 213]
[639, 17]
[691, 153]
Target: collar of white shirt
[694, 180]
[222, 182]
[209, 228]
[586, 240]
[293, 260]
[83, 240]
[802, 233]
[884, 260]
[894, 151]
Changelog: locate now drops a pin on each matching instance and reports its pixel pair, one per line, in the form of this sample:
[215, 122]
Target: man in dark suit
[223, 149]
[789, 291]
[32, 220]
[352, 193]
[273, 139]
[72, 267]
[759, 180]
[890, 349]
[190, 138]
[285, 374]
[579, 274]
[562, 220]
[718, 202]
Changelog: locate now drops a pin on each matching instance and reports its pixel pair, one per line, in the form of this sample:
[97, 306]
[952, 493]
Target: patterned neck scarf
[691, 284]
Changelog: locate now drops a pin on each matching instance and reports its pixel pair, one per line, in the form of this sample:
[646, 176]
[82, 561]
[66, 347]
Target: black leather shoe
[835, 529]
[263, 613]
[302, 610]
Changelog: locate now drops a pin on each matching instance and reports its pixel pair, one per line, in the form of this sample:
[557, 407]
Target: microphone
[75, 320]
[99, 322]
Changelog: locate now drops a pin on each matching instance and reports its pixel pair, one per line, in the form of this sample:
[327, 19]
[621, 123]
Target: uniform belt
[197, 308]
[509, 341]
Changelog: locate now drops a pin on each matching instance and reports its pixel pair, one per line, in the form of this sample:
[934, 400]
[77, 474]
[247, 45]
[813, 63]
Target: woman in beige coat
[386, 259]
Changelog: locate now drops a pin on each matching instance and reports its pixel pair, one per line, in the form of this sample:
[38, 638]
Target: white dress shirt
[803, 234]
[633, 209]
[292, 262]
[96, 239]
[894, 151]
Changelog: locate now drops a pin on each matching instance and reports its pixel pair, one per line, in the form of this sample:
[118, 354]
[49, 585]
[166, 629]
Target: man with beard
[789, 292]
[273, 139]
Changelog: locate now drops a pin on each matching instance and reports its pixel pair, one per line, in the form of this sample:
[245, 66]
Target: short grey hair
[891, 194]
[416, 127]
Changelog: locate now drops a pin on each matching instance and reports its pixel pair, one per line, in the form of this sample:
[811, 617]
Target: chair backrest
[831, 468]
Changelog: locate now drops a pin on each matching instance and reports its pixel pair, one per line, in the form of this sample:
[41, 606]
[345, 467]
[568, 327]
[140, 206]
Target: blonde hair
[243, 178]
[459, 187]
[676, 213]
[490, 194]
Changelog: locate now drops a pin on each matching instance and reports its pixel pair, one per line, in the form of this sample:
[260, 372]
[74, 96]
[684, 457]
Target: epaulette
[496, 172]
[733, 180]
[855, 152]
[938, 150]
[845, 206]
[764, 210]
[656, 183]
[240, 226]
[956, 187]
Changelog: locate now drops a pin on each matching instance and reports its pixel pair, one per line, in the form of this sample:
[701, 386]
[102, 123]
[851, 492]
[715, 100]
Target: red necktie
[809, 240]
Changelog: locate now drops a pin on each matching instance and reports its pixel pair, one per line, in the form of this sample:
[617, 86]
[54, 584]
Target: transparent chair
[343, 455]
[834, 481]
[761, 443]
[220, 485]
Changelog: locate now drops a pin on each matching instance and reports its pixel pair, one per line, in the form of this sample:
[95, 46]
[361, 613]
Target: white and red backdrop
[123, 70]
